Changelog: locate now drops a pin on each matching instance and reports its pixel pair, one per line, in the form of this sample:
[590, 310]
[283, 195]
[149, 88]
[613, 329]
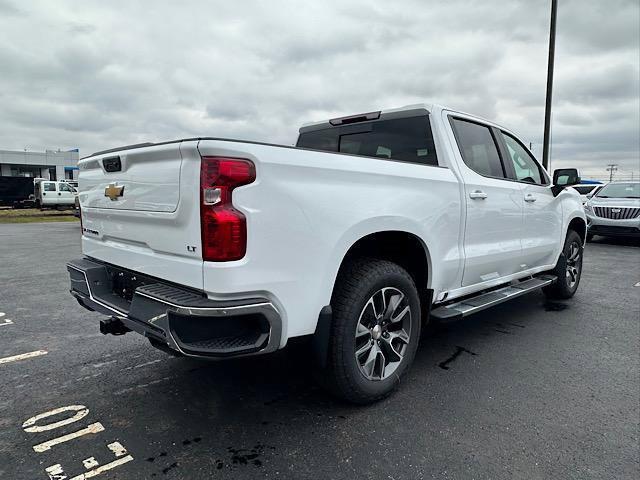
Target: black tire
[568, 269]
[353, 305]
[589, 237]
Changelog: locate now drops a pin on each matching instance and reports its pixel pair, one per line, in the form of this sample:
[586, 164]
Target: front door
[49, 193]
[542, 219]
[492, 243]
[65, 193]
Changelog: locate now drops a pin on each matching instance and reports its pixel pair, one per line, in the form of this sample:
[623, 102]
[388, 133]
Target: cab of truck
[52, 194]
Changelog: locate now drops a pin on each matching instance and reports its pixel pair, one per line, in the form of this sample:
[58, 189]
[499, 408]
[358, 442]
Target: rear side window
[407, 139]
[478, 148]
[49, 187]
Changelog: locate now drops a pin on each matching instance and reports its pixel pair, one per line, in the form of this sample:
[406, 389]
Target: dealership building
[50, 164]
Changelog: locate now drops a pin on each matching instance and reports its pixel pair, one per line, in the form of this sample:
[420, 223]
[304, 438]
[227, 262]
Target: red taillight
[224, 229]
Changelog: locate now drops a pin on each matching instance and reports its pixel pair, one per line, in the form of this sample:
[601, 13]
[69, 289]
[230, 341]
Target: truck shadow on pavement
[246, 412]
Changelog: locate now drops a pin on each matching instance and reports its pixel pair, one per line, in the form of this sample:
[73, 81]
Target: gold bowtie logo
[113, 191]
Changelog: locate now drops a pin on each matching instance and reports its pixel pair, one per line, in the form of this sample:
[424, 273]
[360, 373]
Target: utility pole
[547, 108]
[612, 167]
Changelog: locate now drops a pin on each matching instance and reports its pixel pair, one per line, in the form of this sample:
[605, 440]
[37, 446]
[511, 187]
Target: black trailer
[14, 190]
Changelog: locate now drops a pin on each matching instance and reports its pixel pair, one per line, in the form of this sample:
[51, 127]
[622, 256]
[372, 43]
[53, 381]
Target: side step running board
[470, 305]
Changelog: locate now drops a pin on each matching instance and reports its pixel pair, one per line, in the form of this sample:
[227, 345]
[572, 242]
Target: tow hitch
[113, 326]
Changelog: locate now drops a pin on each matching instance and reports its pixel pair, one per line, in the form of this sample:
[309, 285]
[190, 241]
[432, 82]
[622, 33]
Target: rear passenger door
[542, 218]
[492, 237]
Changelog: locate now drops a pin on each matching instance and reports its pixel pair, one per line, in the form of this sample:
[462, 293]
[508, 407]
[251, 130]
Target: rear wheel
[568, 270]
[375, 330]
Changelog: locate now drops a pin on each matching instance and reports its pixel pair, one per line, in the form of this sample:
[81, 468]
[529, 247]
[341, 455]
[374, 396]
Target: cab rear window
[406, 139]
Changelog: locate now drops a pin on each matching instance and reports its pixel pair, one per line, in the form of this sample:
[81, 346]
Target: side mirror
[564, 177]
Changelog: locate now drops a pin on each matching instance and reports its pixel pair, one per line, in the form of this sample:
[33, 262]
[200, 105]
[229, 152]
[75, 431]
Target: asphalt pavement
[528, 390]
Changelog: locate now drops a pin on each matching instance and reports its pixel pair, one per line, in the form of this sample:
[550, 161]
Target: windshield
[620, 190]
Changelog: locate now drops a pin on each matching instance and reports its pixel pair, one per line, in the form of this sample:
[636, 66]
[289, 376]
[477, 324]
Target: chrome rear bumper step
[470, 305]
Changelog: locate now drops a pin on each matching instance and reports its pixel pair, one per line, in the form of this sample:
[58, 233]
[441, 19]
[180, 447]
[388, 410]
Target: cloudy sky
[100, 74]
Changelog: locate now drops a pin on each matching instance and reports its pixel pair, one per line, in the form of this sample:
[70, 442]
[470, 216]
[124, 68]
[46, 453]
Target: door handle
[478, 194]
[529, 197]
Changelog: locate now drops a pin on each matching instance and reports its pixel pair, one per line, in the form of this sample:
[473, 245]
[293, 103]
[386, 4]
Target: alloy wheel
[382, 333]
[574, 264]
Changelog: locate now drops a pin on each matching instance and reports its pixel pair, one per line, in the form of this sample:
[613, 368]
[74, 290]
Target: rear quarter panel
[307, 208]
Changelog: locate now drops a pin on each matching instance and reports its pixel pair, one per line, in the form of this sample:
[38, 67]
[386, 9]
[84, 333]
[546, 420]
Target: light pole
[547, 108]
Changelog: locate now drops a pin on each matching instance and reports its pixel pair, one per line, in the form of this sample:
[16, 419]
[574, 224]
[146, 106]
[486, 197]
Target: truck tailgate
[140, 210]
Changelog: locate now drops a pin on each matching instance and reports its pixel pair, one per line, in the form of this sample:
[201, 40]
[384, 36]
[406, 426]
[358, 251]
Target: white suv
[614, 211]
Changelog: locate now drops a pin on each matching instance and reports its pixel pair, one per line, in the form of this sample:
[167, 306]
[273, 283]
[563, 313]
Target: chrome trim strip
[207, 310]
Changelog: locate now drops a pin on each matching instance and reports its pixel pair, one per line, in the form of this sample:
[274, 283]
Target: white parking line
[22, 356]
[142, 385]
[6, 321]
[93, 428]
[98, 365]
[143, 364]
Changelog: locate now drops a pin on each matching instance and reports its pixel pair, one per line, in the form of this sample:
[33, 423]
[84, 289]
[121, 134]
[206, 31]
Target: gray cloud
[98, 74]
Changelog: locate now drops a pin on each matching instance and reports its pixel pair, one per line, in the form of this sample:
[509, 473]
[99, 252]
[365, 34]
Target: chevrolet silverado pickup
[355, 238]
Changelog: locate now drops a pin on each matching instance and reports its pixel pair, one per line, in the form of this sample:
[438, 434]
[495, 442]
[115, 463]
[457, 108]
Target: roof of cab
[401, 112]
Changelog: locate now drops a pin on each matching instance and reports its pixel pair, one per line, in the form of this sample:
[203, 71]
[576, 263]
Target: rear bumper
[183, 319]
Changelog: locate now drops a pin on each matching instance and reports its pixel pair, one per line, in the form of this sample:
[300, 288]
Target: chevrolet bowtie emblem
[113, 191]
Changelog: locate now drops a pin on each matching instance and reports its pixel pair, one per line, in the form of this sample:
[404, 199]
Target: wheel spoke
[364, 349]
[394, 301]
[383, 300]
[370, 363]
[574, 253]
[361, 331]
[370, 304]
[381, 363]
[400, 316]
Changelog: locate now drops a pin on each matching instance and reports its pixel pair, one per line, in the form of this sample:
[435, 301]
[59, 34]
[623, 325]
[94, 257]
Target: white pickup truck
[369, 227]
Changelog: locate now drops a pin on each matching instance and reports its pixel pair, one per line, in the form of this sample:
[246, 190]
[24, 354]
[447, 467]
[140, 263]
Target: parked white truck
[372, 225]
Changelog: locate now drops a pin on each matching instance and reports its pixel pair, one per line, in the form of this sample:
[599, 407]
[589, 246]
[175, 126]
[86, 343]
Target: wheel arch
[402, 247]
[398, 246]
[578, 225]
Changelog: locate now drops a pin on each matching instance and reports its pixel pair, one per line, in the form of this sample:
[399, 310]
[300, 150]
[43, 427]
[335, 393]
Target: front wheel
[375, 330]
[568, 270]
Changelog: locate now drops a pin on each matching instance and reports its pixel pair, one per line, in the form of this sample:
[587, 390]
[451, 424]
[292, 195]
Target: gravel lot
[526, 390]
